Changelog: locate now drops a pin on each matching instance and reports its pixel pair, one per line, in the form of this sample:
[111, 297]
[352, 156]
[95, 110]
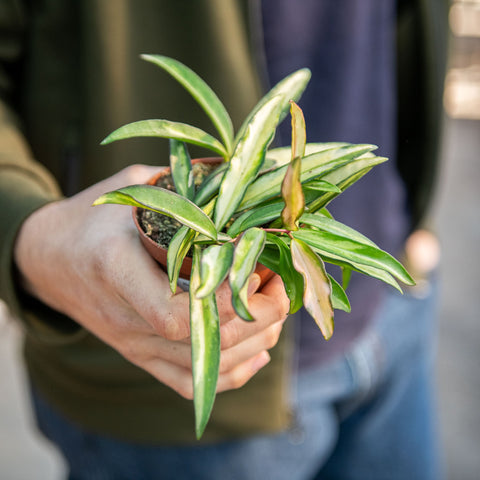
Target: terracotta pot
[160, 254]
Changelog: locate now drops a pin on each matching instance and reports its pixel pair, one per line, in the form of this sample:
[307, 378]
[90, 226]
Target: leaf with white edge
[162, 201]
[178, 248]
[333, 226]
[339, 297]
[292, 280]
[256, 217]
[317, 287]
[314, 165]
[210, 185]
[322, 186]
[205, 340]
[351, 250]
[167, 129]
[181, 168]
[282, 155]
[215, 264]
[344, 177]
[201, 92]
[290, 88]
[246, 160]
[247, 251]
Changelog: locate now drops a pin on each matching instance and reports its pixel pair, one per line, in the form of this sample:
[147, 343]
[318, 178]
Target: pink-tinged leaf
[292, 194]
[317, 287]
[299, 135]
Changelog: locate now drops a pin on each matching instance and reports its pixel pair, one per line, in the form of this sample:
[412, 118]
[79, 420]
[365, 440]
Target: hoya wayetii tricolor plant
[259, 205]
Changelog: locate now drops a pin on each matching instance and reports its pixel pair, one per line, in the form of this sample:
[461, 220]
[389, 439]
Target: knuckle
[170, 327]
[137, 173]
[272, 336]
[230, 334]
[226, 362]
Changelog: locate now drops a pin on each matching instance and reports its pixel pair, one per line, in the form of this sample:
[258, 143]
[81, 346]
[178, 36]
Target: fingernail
[260, 361]
[253, 284]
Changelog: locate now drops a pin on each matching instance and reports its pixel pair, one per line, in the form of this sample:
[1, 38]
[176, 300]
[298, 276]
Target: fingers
[241, 374]
[269, 306]
[179, 378]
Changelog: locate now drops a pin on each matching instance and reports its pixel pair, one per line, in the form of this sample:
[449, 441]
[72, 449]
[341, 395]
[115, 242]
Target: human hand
[89, 264]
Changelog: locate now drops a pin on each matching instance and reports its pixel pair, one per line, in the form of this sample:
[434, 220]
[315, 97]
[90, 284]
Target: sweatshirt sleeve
[25, 185]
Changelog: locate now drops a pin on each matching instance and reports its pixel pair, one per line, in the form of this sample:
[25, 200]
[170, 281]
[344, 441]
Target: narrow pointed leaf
[181, 168]
[339, 297]
[358, 267]
[333, 226]
[167, 129]
[314, 165]
[162, 201]
[256, 217]
[299, 135]
[205, 339]
[215, 264]
[201, 92]
[292, 195]
[178, 248]
[317, 288]
[247, 251]
[322, 186]
[210, 185]
[246, 160]
[282, 155]
[345, 176]
[346, 276]
[359, 253]
[290, 88]
[292, 280]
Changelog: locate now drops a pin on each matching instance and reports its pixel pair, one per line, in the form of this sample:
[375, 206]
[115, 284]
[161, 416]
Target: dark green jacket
[69, 75]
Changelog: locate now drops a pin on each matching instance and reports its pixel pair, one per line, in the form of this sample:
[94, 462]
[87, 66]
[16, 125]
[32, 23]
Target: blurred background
[24, 455]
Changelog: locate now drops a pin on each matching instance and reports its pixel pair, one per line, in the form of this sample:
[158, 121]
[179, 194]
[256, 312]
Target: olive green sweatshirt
[70, 74]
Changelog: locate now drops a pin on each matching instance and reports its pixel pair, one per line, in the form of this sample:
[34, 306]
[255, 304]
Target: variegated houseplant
[260, 205]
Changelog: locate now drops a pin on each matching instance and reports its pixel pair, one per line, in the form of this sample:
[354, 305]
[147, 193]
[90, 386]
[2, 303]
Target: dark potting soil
[161, 228]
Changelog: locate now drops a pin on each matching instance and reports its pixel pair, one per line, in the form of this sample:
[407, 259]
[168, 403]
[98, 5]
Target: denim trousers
[369, 415]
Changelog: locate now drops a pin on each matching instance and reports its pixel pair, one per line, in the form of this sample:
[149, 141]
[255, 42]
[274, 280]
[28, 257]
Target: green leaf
[205, 338]
[314, 165]
[346, 276]
[351, 250]
[322, 186]
[167, 129]
[317, 287]
[282, 155]
[339, 297]
[290, 88]
[201, 92]
[345, 176]
[246, 160]
[210, 185]
[292, 280]
[178, 248]
[247, 251]
[255, 217]
[215, 264]
[162, 201]
[333, 226]
[181, 168]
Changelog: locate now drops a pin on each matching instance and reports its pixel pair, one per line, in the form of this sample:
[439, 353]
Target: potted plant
[258, 206]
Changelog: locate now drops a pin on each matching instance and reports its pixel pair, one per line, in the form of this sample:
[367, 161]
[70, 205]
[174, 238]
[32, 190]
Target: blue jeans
[368, 415]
